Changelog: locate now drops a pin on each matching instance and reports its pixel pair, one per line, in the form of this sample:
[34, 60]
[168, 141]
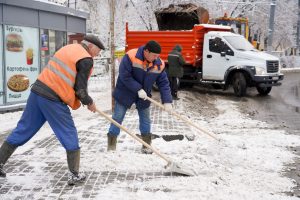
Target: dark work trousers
[39, 110]
[174, 82]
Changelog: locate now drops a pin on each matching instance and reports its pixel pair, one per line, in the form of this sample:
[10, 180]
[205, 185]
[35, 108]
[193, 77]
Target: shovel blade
[175, 168]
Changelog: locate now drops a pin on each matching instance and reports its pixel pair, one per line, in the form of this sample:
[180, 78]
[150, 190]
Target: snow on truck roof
[215, 26]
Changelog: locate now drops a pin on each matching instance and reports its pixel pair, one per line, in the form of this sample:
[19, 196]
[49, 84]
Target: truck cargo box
[190, 40]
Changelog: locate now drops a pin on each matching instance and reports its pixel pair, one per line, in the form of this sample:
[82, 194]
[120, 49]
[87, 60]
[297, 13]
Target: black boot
[175, 96]
[148, 139]
[111, 142]
[74, 176]
[6, 151]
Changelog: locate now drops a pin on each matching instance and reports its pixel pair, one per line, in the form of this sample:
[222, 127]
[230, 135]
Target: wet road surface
[280, 108]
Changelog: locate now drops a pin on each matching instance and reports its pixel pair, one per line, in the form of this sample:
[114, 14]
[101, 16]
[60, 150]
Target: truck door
[216, 59]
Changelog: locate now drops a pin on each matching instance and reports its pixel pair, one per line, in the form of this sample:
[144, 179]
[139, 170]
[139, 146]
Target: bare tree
[140, 15]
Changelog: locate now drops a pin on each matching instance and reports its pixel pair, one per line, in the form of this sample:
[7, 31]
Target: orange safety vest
[60, 73]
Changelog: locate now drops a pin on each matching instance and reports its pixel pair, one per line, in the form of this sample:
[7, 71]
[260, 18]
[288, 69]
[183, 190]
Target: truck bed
[190, 40]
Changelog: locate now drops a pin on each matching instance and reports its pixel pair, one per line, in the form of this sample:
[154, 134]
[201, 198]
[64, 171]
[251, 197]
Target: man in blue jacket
[139, 69]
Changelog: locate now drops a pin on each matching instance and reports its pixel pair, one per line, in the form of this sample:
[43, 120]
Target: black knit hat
[153, 47]
[94, 40]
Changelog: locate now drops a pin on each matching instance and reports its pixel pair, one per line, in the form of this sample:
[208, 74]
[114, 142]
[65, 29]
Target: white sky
[248, 163]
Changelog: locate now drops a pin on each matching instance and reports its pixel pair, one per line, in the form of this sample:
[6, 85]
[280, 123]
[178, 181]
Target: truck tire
[239, 84]
[263, 90]
[186, 85]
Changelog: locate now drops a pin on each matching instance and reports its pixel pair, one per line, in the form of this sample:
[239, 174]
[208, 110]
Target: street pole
[298, 27]
[271, 26]
[112, 50]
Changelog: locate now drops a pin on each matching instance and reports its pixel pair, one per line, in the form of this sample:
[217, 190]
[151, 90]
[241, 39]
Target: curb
[289, 70]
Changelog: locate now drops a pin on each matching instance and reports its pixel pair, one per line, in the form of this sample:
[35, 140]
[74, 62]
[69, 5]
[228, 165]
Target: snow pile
[246, 164]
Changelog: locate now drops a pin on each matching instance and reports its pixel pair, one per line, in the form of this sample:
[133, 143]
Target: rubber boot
[175, 96]
[148, 139]
[6, 151]
[74, 176]
[111, 142]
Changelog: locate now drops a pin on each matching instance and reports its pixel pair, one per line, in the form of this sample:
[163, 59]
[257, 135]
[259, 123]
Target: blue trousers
[119, 114]
[39, 110]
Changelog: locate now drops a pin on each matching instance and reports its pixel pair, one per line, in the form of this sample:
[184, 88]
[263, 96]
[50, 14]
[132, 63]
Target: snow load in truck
[181, 17]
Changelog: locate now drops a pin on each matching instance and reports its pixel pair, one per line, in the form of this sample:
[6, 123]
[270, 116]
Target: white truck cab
[229, 59]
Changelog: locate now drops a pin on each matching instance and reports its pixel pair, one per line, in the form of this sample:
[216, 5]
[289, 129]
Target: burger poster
[22, 65]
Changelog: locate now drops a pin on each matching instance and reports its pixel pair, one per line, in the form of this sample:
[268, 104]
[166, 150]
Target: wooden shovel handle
[184, 119]
[133, 135]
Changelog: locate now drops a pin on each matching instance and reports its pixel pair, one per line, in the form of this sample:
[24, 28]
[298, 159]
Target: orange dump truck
[214, 55]
[190, 40]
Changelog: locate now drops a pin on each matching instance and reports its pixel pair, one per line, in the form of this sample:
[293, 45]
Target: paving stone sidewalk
[50, 179]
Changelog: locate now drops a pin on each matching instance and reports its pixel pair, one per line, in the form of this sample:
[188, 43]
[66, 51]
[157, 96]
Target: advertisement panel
[22, 60]
[1, 70]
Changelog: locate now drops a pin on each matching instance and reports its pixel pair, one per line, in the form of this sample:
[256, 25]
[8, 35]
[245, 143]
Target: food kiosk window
[21, 61]
[51, 41]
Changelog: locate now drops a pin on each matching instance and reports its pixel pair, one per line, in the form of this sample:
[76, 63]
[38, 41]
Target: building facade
[30, 32]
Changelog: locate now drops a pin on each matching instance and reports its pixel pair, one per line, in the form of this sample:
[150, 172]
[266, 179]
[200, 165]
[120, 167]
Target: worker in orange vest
[62, 83]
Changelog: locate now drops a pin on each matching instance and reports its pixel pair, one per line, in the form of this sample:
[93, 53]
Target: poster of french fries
[22, 61]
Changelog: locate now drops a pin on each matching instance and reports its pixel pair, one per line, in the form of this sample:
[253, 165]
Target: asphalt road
[280, 108]
[282, 105]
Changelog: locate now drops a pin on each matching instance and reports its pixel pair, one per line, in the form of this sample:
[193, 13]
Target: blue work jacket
[135, 74]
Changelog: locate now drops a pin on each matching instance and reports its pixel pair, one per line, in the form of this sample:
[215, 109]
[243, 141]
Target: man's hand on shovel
[92, 107]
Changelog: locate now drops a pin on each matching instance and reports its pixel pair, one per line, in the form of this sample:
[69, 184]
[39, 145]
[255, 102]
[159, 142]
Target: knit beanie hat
[94, 40]
[153, 47]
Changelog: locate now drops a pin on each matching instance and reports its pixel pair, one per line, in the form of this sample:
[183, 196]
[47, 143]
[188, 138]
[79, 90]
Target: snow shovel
[171, 166]
[184, 119]
[166, 138]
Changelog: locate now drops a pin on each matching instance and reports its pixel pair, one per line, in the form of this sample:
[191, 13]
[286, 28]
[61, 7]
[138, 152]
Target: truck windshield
[239, 43]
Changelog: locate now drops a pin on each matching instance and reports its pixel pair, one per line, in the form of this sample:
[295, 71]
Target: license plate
[275, 78]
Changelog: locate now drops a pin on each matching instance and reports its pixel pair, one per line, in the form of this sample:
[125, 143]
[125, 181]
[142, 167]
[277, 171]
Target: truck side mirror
[230, 52]
[223, 54]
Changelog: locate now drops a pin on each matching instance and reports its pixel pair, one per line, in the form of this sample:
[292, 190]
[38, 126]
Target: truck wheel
[239, 84]
[186, 85]
[263, 90]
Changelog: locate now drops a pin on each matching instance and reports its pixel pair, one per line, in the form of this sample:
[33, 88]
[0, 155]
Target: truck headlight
[260, 71]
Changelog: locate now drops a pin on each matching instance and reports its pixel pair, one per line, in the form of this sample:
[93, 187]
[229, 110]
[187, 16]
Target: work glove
[168, 106]
[142, 94]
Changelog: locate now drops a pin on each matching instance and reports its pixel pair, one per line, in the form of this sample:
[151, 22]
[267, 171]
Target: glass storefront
[21, 61]
[51, 41]
[1, 71]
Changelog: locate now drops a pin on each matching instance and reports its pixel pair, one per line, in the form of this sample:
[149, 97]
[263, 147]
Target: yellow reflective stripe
[61, 75]
[64, 66]
[173, 55]
[154, 71]
[138, 65]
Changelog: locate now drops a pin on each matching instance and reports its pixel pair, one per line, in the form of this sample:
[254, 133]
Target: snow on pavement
[247, 163]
